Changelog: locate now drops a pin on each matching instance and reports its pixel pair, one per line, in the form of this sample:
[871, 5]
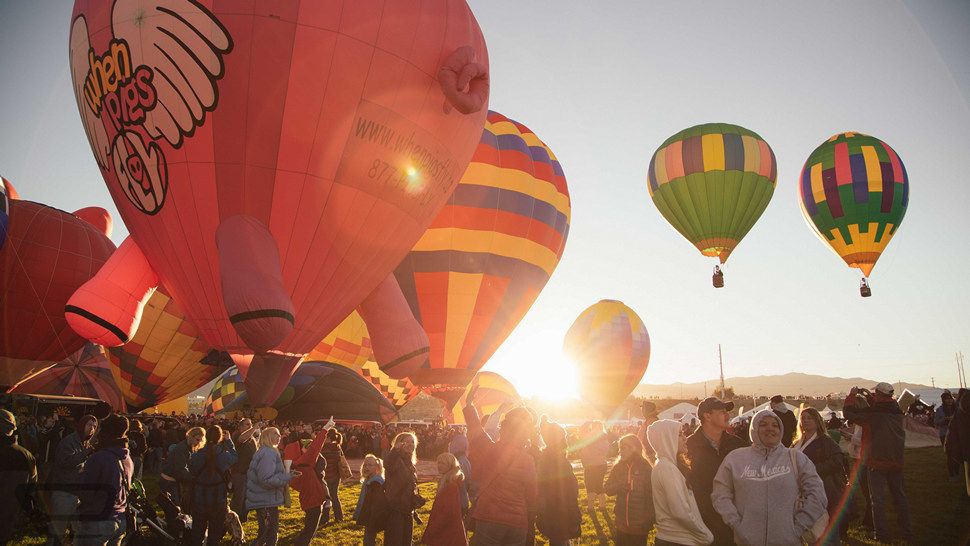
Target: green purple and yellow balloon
[712, 182]
[854, 193]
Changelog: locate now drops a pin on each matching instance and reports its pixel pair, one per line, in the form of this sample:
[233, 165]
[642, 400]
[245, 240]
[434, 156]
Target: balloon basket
[864, 289]
[718, 277]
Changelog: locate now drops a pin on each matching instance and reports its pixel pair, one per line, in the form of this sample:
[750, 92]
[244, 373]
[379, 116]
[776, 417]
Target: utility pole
[961, 374]
[933, 382]
[720, 359]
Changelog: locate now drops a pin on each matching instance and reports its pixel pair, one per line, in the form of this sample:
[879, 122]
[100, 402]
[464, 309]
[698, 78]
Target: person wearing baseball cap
[18, 476]
[787, 417]
[884, 440]
[706, 449]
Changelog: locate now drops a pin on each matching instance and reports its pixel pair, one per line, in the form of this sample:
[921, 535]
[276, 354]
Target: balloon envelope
[275, 160]
[493, 392]
[166, 359]
[611, 348]
[483, 261]
[86, 373]
[712, 182]
[854, 192]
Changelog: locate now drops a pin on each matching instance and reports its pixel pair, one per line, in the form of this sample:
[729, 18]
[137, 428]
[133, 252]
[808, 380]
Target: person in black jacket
[559, 517]
[825, 454]
[788, 419]
[18, 477]
[884, 441]
[137, 446]
[400, 488]
[706, 449]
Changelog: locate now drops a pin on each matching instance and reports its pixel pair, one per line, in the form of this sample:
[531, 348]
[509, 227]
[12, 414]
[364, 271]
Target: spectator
[787, 417]
[944, 414]
[825, 454]
[593, 455]
[706, 449]
[445, 524]
[679, 521]
[338, 467]
[105, 482]
[246, 447]
[505, 476]
[629, 482]
[18, 477]
[315, 496]
[559, 517]
[756, 488]
[882, 422]
[458, 446]
[137, 445]
[174, 477]
[400, 488]
[265, 486]
[371, 511]
[49, 434]
[650, 416]
[72, 451]
[208, 468]
[958, 439]
[858, 475]
[156, 445]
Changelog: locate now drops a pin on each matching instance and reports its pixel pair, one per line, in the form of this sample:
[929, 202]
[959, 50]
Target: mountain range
[790, 384]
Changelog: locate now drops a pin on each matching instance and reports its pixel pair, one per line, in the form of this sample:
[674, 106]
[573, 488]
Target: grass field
[940, 511]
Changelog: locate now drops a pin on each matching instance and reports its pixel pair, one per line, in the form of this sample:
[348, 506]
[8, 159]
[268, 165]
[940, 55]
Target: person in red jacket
[314, 494]
[506, 476]
[445, 524]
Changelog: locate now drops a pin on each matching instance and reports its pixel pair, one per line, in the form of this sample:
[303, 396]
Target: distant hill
[789, 384]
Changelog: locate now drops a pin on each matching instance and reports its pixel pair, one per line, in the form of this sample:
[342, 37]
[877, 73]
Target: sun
[538, 371]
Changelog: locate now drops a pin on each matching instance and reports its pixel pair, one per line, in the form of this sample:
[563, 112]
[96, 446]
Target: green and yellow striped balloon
[712, 182]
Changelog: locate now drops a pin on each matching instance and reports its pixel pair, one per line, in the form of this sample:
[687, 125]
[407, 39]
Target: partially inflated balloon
[166, 359]
[47, 255]
[712, 182]
[274, 161]
[611, 348]
[85, 373]
[854, 192]
[482, 263]
[492, 392]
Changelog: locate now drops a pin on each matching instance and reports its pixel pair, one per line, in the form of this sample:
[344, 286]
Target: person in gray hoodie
[679, 521]
[756, 489]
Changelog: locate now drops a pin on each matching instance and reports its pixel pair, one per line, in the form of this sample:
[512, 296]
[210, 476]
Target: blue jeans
[496, 534]
[63, 511]
[879, 482]
[99, 533]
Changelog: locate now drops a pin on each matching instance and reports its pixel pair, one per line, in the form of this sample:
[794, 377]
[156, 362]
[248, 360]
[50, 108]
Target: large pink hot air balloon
[273, 161]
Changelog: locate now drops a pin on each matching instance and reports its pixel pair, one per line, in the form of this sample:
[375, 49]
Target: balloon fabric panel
[712, 182]
[336, 136]
[485, 257]
[493, 391]
[86, 373]
[47, 255]
[854, 192]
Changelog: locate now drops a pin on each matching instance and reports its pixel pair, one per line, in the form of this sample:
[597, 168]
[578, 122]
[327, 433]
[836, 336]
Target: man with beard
[706, 449]
[72, 451]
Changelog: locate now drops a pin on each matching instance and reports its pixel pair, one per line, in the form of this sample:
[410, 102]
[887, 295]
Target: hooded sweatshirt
[678, 518]
[756, 488]
[103, 492]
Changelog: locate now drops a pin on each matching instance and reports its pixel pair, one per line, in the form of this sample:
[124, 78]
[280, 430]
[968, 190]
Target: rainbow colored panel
[487, 255]
[854, 192]
[712, 182]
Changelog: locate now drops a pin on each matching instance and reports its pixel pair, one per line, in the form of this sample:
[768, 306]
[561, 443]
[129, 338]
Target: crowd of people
[503, 478]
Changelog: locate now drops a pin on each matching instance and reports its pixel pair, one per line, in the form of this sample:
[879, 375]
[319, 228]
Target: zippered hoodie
[756, 488]
[678, 518]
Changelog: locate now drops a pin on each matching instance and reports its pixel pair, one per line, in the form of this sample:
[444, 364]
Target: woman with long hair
[629, 482]
[401, 489]
[559, 517]
[679, 521]
[337, 469]
[812, 440]
[371, 511]
[210, 496]
[175, 478]
[445, 524]
[266, 485]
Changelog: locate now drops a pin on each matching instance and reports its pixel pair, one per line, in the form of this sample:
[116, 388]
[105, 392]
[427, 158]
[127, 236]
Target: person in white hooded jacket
[756, 489]
[679, 521]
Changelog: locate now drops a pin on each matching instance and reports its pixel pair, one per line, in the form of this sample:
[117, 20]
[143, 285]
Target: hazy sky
[603, 84]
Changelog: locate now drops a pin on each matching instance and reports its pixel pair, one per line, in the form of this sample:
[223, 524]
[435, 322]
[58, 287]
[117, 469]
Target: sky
[604, 84]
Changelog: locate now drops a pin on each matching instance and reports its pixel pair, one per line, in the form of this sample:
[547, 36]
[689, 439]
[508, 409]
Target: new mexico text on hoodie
[756, 488]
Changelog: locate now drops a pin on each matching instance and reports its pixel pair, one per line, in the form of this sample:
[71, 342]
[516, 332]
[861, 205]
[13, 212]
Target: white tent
[827, 413]
[679, 412]
[750, 413]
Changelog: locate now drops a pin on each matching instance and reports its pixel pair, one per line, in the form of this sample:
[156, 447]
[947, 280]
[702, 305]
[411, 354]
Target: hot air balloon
[166, 359]
[317, 391]
[712, 182]
[349, 345]
[273, 161]
[854, 193]
[492, 392]
[47, 254]
[85, 373]
[611, 349]
[487, 255]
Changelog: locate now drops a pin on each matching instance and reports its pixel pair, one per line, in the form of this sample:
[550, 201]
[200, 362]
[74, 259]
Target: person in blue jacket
[209, 468]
